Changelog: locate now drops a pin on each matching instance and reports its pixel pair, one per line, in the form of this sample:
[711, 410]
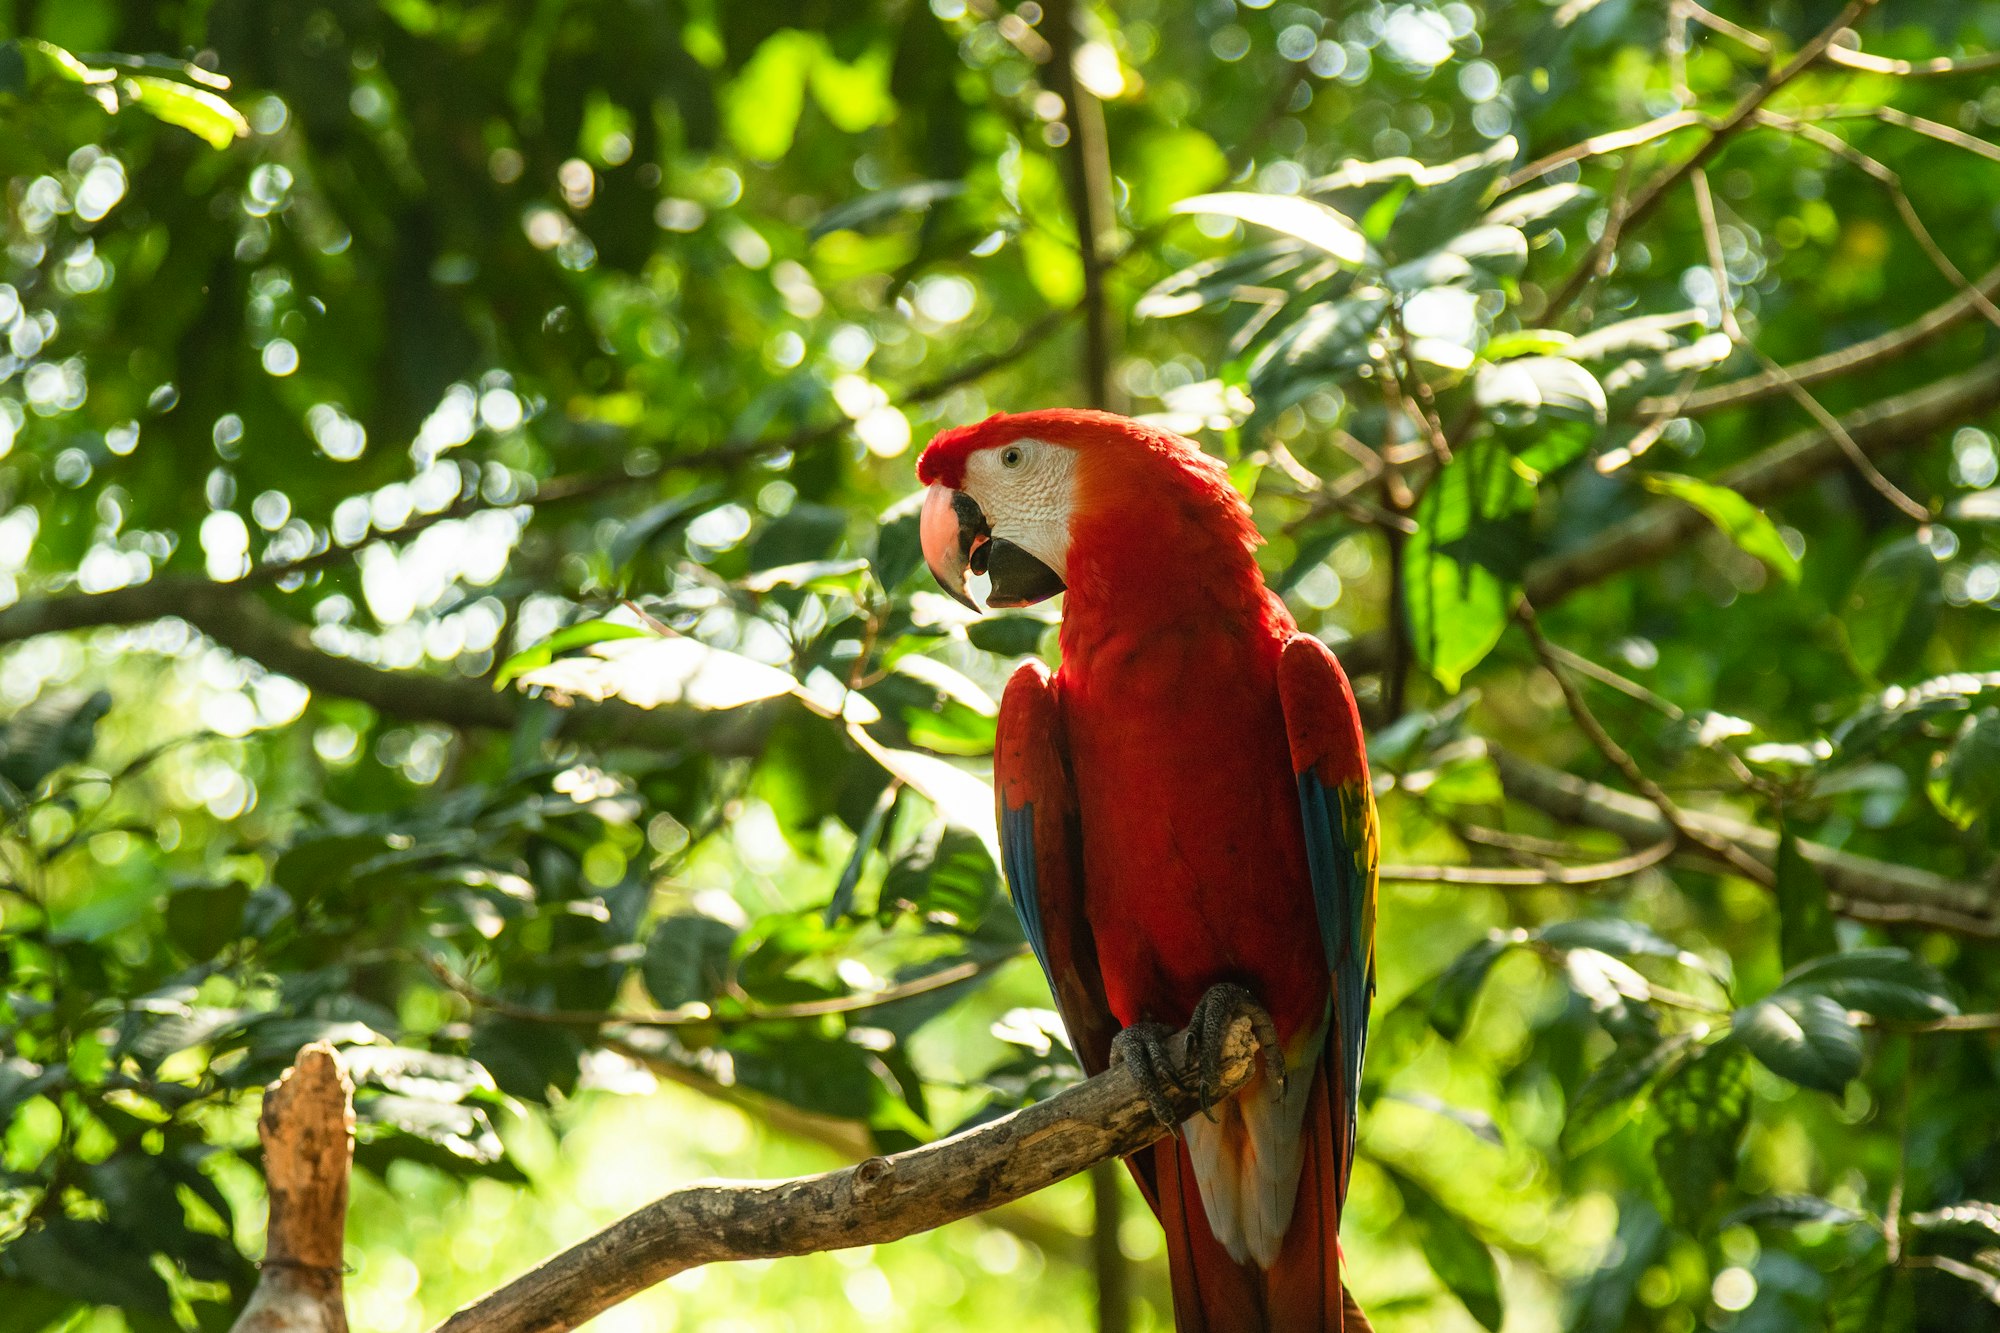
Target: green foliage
[389, 381]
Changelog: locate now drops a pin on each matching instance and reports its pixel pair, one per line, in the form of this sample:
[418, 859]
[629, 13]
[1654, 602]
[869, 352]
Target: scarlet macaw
[1186, 827]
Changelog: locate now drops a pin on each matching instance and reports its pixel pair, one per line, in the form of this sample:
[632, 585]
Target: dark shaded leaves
[1804, 1037]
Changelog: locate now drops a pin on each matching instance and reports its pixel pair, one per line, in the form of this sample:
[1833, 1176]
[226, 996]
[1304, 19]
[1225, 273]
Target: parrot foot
[1208, 1029]
[1144, 1047]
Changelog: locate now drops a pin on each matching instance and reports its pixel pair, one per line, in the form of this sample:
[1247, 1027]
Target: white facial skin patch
[1026, 489]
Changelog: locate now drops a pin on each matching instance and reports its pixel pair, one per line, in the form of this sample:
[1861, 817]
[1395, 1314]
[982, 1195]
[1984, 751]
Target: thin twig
[1726, 302]
[1527, 877]
[1688, 833]
[1862, 356]
[1603, 145]
[1919, 69]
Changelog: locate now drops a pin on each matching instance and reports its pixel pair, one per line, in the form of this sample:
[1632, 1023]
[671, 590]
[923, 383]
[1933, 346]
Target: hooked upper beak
[958, 541]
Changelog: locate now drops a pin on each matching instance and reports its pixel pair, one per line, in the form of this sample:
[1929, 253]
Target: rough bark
[879, 1200]
[307, 1128]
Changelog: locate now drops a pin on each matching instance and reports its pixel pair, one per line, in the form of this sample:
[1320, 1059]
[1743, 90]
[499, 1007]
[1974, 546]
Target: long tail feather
[1301, 1292]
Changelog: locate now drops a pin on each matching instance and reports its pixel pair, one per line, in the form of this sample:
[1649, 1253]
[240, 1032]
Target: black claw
[1213, 1016]
[1144, 1047]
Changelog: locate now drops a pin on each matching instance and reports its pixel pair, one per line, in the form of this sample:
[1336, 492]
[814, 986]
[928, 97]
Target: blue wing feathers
[1017, 862]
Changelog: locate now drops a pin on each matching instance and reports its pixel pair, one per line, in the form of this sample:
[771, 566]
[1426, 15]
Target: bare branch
[1863, 888]
[1941, 66]
[1530, 877]
[882, 1199]
[307, 1128]
[1603, 145]
[237, 619]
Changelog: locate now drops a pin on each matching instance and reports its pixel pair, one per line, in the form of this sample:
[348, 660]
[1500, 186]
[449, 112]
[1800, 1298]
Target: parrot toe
[1216, 1012]
[1143, 1046]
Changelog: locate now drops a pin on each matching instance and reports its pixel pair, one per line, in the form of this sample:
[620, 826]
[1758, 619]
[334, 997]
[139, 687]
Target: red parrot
[1186, 828]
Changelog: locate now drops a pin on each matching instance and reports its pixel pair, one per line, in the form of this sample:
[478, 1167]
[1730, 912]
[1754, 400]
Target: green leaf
[1642, 335]
[196, 110]
[1703, 1109]
[1982, 1219]
[1526, 342]
[1459, 1258]
[866, 839]
[960, 797]
[1805, 921]
[1803, 1036]
[1965, 785]
[1897, 711]
[1448, 997]
[1540, 211]
[205, 921]
[1215, 282]
[687, 959]
[1619, 1089]
[1615, 935]
[580, 635]
[1892, 609]
[1791, 1210]
[830, 1076]
[1008, 636]
[96, 1262]
[866, 212]
[13, 68]
[1888, 983]
[1531, 389]
[1463, 565]
[651, 524]
[842, 576]
[1740, 521]
[650, 671]
[946, 878]
[57, 729]
[423, 1075]
[1302, 219]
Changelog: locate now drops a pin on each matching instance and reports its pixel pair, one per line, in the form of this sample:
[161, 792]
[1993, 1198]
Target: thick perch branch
[882, 1199]
[307, 1128]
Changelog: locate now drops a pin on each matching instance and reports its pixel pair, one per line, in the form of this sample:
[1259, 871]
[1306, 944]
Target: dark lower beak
[958, 542]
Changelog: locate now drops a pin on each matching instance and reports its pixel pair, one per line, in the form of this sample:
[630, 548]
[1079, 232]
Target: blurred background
[377, 376]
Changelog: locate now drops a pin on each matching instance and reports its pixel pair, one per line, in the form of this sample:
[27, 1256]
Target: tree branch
[1901, 422]
[307, 1128]
[1523, 877]
[1732, 122]
[1086, 169]
[882, 1199]
[1866, 355]
[1862, 887]
[1685, 832]
[237, 619]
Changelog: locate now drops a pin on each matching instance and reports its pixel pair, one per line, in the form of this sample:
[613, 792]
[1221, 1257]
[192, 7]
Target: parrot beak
[957, 542]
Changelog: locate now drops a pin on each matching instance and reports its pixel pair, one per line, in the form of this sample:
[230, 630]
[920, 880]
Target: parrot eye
[1011, 456]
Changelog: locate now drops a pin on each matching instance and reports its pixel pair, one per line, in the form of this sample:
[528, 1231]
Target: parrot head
[999, 503]
[1078, 501]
